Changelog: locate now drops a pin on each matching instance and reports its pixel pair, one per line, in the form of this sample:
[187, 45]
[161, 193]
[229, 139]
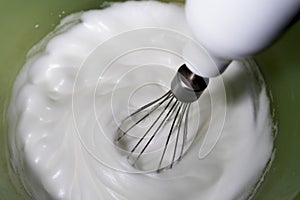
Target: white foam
[47, 114]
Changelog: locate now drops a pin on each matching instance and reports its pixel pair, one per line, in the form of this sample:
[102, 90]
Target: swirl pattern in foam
[49, 156]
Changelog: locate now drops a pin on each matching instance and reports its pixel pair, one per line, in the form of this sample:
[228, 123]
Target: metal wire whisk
[171, 113]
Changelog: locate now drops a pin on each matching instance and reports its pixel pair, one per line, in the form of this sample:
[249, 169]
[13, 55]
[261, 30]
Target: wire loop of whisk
[164, 141]
[171, 111]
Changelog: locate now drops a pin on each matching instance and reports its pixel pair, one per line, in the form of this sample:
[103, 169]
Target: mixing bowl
[24, 23]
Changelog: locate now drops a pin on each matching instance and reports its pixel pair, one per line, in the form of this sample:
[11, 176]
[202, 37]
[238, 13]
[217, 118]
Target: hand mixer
[228, 30]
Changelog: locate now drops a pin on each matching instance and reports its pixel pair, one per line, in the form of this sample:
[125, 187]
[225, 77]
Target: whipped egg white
[62, 94]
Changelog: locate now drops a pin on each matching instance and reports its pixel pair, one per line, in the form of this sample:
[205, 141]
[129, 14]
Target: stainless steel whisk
[171, 112]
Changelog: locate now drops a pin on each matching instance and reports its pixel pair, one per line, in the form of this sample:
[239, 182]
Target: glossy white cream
[57, 104]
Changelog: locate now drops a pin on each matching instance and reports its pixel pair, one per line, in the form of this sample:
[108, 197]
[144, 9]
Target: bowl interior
[24, 24]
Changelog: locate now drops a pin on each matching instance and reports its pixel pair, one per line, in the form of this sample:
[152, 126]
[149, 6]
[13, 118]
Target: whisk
[170, 112]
